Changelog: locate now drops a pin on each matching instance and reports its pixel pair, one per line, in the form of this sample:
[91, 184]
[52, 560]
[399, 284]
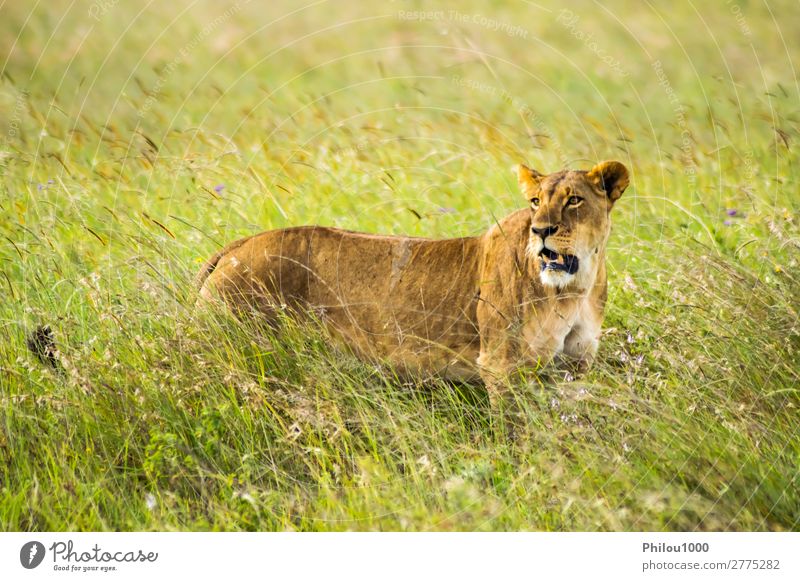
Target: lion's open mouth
[561, 262]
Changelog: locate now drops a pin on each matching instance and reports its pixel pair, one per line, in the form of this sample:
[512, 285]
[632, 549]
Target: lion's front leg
[496, 372]
[506, 365]
[580, 348]
[499, 354]
[510, 350]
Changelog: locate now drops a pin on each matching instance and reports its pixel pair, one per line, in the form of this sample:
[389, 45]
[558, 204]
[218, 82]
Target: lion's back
[394, 297]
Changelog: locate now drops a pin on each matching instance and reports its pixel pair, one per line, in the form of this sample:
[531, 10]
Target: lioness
[531, 289]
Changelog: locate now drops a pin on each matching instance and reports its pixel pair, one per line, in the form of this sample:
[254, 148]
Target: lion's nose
[544, 232]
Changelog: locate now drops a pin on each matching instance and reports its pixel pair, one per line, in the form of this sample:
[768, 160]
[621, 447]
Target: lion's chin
[556, 278]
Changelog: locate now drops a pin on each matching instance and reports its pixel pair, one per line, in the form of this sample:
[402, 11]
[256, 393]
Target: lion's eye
[535, 202]
[574, 201]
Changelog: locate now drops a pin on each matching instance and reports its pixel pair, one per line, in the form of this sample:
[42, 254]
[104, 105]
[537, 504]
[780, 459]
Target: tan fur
[458, 308]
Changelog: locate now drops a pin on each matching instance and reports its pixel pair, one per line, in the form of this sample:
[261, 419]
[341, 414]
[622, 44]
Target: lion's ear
[611, 177]
[528, 179]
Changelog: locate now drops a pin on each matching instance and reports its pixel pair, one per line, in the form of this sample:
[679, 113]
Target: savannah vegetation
[137, 138]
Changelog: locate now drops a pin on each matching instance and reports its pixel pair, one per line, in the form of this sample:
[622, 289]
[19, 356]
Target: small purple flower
[728, 222]
[218, 188]
[40, 187]
[732, 212]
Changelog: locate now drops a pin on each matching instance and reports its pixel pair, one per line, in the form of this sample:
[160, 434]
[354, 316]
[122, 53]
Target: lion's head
[570, 220]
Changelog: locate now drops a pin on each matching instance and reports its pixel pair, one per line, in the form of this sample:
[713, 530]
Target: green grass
[118, 124]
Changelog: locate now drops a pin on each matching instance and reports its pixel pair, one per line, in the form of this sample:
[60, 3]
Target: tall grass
[135, 143]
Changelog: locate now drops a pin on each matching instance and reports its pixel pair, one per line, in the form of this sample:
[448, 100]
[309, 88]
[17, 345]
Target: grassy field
[136, 139]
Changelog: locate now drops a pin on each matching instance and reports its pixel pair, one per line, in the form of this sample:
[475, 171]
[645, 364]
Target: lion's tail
[41, 343]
